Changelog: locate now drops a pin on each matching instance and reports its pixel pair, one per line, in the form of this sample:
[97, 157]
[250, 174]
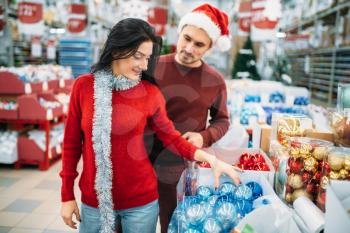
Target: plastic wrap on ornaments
[217, 210]
[335, 167]
[285, 126]
[307, 158]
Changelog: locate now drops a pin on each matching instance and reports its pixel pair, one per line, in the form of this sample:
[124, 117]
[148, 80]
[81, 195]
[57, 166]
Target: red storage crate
[30, 108]
[11, 84]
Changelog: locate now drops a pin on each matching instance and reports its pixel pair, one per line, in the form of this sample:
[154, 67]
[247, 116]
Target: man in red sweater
[192, 89]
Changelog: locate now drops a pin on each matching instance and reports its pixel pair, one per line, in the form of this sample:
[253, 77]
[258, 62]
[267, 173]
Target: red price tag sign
[77, 18]
[30, 12]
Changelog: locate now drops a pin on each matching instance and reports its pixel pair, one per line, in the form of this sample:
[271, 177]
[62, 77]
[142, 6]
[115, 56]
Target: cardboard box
[232, 157]
[261, 136]
[320, 135]
[338, 207]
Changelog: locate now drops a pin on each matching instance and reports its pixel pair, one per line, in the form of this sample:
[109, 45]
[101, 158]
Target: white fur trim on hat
[203, 21]
[223, 43]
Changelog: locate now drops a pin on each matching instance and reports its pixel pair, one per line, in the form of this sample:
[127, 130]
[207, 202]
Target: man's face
[192, 44]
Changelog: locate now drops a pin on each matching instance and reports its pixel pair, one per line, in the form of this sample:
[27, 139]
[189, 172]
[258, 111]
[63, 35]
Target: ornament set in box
[206, 209]
[308, 158]
[285, 126]
[336, 167]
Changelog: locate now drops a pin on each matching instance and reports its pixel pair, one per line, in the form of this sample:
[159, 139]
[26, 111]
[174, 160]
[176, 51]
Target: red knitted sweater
[134, 180]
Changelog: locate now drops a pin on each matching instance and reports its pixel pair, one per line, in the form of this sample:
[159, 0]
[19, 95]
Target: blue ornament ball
[192, 230]
[223, 199]
[211, 225]
[256, 189]
[204, 191]
[195, 214]
[243, 192]
[226, 188]
[212, 200]
[226, 212]
[188, 201]
[208, 209]
[243, 207]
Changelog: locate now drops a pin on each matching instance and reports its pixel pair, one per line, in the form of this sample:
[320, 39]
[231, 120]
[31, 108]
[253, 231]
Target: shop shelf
[29, 107]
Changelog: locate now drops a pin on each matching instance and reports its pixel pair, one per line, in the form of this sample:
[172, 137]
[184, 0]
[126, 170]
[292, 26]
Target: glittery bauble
[243, 192]
[317, 176]
[256, 189]
[179, 220]
[294, 152]
[333, 175]
[295, 181]
[324, 182]
[243, 207]
[189, 201]
[324, 167]
[195, 214]
[299, 193]
[306, 177]
[347, 163]
[289, 197]
[211, 225]
[226, 212]
[208, 209]
[320, 153]
[204, 191]
[310, 164]
[245, 158]
[226, 188]
[311, 188]
[335, 162]
[343, 173]
[192, 230]
[257, 158]
[212, 200]
[172, 228]
[296, 166]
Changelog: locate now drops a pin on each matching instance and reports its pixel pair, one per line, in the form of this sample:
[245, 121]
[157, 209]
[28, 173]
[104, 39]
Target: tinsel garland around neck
[104, 83]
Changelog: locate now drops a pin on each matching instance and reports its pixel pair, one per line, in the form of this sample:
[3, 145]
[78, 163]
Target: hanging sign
[158, 17]
[30, 17]
[77, 18]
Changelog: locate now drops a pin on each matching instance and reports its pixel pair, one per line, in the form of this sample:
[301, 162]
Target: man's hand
[69, 208]
[194, 138]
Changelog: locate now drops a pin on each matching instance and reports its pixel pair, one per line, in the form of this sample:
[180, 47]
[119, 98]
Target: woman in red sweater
[108, 111]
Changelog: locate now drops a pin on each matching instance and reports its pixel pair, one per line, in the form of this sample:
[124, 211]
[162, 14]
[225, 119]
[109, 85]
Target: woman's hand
[69, 208]
[218, 167]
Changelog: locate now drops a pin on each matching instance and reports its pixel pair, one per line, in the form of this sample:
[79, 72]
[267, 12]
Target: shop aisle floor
[30, 200]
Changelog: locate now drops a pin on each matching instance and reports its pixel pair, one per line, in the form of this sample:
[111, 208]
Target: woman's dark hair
[123, 41]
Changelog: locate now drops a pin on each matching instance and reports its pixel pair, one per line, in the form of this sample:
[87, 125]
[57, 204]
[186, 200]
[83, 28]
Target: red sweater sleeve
[166, 132]
[219, 119]
[72, 145]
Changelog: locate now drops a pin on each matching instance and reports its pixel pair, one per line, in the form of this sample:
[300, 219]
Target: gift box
[233, 156]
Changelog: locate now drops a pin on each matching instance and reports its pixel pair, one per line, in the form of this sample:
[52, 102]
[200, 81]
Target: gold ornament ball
[347, 163]
[335, 162]
[324, 182]
[295, 181]
[320, 153]
[343, 174]
[301, 193]
[310, 164]
[289, 197]
[334, 175]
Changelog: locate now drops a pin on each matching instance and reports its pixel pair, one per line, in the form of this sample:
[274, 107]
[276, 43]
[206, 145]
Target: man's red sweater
[134, 180]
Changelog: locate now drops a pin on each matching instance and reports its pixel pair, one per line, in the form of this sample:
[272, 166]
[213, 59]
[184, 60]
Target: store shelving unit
[321, 69]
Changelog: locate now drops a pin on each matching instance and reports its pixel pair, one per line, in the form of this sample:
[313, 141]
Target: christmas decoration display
[216, 210]
[248, 112]
[252, 99]
[8, 146]
[49, 104]
[8, 105]
[307, 159]
[253, 162]
[291, 110]
[301, 100]
[334, 167]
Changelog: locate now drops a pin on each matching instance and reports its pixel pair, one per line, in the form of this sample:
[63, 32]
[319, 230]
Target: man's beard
[186, 58]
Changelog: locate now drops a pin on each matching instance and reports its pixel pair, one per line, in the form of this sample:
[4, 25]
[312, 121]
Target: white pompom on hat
[213, 21]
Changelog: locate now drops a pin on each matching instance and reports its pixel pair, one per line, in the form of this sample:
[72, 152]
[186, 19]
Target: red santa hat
[213, 21]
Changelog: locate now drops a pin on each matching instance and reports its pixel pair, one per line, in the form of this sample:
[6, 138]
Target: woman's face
[132, 66]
